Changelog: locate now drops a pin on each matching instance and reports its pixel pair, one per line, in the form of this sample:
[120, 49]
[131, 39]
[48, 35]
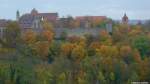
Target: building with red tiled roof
[33, 20]
[91, 17]
[89, 21]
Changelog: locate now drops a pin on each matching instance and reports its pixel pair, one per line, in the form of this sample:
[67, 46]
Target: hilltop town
[73, 26]
[44, 48]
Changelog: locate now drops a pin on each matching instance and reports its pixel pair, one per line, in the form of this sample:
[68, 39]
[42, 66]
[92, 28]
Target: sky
[115, 9]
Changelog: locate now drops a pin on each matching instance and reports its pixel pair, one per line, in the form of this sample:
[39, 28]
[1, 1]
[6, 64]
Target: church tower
[125, 19]
[34, 12]
[17, 15]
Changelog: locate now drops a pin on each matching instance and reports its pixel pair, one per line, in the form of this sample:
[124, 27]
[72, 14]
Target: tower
[34, 12]
[109, 25]
[17, 15]
[125, 19]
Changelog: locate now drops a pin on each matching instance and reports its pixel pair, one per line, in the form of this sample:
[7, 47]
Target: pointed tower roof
[34, 11]
[17, 15]
[125, 18]
[17, 11]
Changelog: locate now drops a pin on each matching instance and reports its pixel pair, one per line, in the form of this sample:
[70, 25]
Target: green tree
[142, 44]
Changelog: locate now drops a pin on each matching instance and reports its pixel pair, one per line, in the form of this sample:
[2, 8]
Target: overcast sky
[135, 9]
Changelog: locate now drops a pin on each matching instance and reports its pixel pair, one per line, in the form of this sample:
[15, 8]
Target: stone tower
[17, 15]
[125, 19]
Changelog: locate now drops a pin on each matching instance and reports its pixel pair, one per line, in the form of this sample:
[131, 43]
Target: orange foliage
[135, 31]
[105, 38]
[104, 34]
[125, 51]
[67, 48]
[42, 49]
[78, 53]
[29, 37]
[78, 40]
[108, 51]
[73, 39]
[48, 35]
[95, 45]
[137, 56]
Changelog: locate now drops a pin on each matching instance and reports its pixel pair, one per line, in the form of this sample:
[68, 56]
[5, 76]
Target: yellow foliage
[135, 31]
[67, 48]
[144, 69]
[82, 42]
[125, 51]
[29, 37]
[137, 56]
[95, 45]
[78, 53]
[48, 35]
[105, 38]
[108, 51]
[46, 25]
[42, 49]
[42, 73]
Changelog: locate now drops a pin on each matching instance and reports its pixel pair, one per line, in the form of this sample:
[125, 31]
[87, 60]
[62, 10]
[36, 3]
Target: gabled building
[33, 20]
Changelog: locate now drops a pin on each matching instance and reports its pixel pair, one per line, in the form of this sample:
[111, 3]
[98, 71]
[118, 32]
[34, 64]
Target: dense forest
[120, 57]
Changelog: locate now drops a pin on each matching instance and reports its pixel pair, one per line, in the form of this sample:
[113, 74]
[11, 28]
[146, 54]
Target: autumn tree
[40, 42]
[120, 33]
[12, 34]
[42, 49]
[144, 70]
[66, 49]
[47, 32]
[126, 53]
[78, 53]
[105, 38]
[29, 37]
[108, 51]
